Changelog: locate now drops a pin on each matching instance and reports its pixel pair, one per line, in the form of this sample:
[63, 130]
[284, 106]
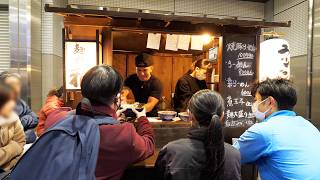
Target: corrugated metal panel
[297, 34]
[4, 41]
[188, 8]
[282, 5]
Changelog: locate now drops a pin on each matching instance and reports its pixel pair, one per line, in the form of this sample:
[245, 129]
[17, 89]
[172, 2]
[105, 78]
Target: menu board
[79, 58]
[238, 74]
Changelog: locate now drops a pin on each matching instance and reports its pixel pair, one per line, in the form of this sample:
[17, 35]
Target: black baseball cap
[144, 60]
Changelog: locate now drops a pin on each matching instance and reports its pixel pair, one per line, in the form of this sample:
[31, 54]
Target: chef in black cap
[146, 88]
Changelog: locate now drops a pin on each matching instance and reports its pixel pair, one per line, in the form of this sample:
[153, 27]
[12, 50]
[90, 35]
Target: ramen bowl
[184, 116]
[167, 115]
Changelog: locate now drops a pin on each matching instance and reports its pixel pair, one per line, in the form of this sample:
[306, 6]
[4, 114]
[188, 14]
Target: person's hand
[120, 111]
[138, 113]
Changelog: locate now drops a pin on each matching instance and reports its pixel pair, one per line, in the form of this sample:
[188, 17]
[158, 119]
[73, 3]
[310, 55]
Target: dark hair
[101, 84]
[200, 63]
[207, 107]
[6, 94]
[281, 90]
[5, 74]
[56, 92]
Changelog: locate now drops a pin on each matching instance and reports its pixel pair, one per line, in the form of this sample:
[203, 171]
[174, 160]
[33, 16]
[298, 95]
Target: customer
[203, 155]
[191, 82]
[12, 138]
[28, 118]
[53, 102]
[120, 144]
[283, 145]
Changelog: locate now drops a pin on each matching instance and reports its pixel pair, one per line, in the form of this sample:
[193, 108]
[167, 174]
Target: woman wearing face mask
[190, 83]
[12, 138]
[203, 155]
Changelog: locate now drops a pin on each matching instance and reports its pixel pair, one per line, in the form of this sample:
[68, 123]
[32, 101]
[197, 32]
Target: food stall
[114, 36]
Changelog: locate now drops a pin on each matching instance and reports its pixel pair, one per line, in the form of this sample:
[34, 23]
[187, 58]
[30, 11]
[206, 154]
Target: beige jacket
[12, 140]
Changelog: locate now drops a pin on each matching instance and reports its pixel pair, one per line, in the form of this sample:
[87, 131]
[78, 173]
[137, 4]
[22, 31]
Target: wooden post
[107, 46]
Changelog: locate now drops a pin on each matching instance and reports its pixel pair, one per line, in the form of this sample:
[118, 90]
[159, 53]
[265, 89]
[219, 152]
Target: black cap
[144, 60]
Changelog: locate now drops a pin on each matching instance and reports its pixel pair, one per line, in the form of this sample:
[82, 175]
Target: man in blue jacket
[28, 119]
[283, 145]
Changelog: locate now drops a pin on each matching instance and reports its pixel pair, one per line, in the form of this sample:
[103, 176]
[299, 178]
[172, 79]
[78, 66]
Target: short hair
[101, 84]
[5, 74]
[281, 90]
[6, 94]
[200, 63]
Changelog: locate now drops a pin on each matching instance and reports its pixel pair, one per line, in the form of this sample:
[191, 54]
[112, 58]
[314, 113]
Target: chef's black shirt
[142, 90]
[185, 88]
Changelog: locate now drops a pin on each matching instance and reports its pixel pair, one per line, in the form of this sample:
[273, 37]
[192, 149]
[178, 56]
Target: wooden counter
[170, 131]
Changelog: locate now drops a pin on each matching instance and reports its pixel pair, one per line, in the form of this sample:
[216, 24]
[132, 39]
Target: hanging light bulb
[206, 38]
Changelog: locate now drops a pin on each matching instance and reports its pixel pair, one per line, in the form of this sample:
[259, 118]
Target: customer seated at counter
[27, 117]
[283, 145]
[53, 102]
[12, 138]
[146, 88]
[190, 83]
[121, 144]
[203, 155]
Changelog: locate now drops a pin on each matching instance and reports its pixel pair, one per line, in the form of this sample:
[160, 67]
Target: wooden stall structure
[122, 34]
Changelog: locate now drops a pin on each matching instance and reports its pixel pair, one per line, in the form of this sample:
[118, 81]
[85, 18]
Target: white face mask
[258, 114]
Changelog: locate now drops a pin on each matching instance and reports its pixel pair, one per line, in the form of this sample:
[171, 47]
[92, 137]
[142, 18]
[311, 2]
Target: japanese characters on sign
[238, 74]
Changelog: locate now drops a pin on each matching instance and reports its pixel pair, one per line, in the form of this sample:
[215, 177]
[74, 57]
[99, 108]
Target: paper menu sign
[183, 42]
[153, 41]
[172, 42]
[196, 42]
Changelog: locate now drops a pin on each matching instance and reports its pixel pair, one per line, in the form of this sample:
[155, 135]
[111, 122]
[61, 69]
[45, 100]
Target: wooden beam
[107, 47]
[163, 17]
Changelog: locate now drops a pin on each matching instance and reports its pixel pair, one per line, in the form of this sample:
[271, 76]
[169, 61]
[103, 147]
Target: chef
[190, 83]
[146, 88]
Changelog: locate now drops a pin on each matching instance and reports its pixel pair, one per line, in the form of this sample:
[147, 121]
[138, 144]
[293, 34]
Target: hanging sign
[274, 59]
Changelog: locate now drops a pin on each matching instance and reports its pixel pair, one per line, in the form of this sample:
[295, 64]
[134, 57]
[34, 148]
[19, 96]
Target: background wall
[51, 34]
[315, 115]
[295, 11]
[212, 8]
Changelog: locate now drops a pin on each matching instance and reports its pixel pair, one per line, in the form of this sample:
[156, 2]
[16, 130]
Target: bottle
[162, 104]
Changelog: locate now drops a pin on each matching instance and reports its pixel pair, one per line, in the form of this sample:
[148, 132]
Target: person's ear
[222, 116]
[273, 102]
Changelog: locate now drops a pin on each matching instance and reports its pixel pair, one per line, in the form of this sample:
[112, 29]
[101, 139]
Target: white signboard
[183, 42]
[196, 42]
[274, 59]
[172, 42]
[79, 58]
[153, 41]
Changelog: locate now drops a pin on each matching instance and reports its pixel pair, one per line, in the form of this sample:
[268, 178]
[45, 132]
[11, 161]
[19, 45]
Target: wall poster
[79, 58]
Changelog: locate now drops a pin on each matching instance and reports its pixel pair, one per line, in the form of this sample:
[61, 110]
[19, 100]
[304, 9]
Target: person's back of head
[7, 102]
[101, 85]
[12, 79]
[206, 108]
[273, 95]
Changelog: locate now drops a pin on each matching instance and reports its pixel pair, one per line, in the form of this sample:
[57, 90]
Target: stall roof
[134, 19]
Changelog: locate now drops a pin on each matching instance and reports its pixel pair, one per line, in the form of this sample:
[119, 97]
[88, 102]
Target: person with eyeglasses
[190, 83]
[284, 145]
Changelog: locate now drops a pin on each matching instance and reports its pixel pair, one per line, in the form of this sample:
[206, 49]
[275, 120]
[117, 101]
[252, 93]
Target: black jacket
[185, 88]
[183, 160]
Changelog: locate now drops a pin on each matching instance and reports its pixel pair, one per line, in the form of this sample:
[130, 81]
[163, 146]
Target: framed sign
[79, 58]
[213, 54]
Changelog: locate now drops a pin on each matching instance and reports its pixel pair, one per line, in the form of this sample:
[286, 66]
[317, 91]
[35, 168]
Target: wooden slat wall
[167, 68]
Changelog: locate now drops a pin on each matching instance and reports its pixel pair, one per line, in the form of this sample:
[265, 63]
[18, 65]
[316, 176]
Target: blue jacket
[29, 120]
[283, 146]
[69, 150]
